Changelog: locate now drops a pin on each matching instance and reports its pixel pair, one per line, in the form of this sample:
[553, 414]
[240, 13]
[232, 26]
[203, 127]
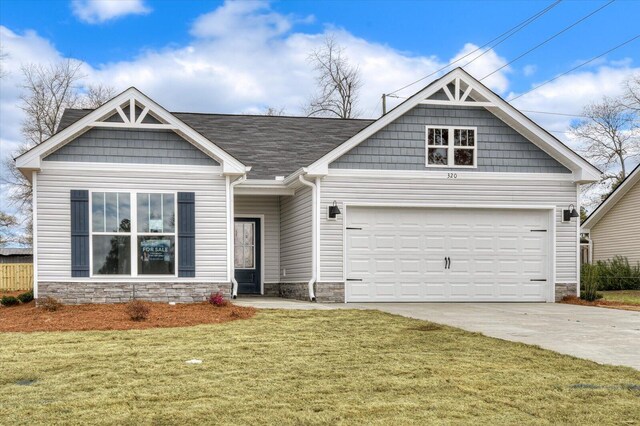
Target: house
[16, 255]
[454, 195]
[614, 226]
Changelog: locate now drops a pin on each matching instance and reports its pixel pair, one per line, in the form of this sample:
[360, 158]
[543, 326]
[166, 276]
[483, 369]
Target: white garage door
[419, 254]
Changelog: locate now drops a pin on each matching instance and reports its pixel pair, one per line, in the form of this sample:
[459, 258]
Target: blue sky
[417, 28]
[241, 57]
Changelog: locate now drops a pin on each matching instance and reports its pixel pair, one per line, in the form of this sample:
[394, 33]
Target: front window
[117, 242]
[156, 234]
[451, 147]
[111, 232]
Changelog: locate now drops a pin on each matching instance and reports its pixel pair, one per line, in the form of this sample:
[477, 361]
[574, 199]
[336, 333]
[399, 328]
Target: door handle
[449, 262]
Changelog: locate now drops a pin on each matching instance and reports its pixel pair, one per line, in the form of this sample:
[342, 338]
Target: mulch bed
[28, 317]
[573, 300]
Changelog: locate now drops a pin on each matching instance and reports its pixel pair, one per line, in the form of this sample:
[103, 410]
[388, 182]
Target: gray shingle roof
[15, 251]
[271, 145]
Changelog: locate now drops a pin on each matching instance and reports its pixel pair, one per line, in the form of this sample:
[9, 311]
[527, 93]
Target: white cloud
[99, 11]
[570, 93]
[529, 70]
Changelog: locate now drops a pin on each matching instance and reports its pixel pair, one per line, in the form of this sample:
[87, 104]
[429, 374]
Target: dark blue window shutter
[79, 233]
[186, 234]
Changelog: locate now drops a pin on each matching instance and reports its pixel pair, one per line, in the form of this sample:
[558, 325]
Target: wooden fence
[16, 276]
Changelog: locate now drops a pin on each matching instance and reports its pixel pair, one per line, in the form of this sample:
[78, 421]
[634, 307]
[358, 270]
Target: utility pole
[384, 104]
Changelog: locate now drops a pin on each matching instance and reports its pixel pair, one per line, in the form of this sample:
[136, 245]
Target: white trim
[147, 126]
[230, 230]
[612, 200]
[578, 271]
[461, 174]
[264, 187]
[82, 165]
[260, 217]
[32, 159]
[34, 232]
[456, 103]
[583, 170]
[450, 147]
[551, 273]
[315, 235]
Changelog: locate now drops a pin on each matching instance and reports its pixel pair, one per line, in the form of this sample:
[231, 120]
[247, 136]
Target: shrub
[618, 274]
[50, 304]
[217, 299]
[26, 297]
[589, 282]
[9, 301]
[137, 310]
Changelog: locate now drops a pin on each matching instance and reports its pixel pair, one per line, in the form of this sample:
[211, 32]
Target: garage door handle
[539, 279]
[447, 263]
[354, 279]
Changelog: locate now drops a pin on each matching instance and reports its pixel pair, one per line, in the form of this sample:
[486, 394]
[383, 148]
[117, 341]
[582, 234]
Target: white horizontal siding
[618, 232]
[53, 215]
[269, 206]
[295, 236]
[388, 189]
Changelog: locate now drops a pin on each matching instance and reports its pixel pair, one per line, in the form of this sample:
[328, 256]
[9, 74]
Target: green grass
[305, 367]
[631, 297]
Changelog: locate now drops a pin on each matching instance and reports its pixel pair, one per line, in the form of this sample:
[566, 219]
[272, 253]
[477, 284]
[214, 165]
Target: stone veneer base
[73, 293]
[566, 289]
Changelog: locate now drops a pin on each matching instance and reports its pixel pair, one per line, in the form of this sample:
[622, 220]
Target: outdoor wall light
[334, 211]
[569, 213]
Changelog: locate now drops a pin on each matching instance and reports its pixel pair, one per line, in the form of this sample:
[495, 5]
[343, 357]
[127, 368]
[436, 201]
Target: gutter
[314, 235]
[231, 204]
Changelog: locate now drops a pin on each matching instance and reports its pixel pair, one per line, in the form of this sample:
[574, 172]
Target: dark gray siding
[131, 146]
[401, 144]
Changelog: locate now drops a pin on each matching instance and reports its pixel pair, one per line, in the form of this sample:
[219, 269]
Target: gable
[129, 111]
[401, 144]
[467, 92]
[140, 146]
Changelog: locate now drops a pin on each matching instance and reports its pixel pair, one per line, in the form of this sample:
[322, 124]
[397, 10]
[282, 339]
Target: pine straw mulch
[28, 317]
[573, 300]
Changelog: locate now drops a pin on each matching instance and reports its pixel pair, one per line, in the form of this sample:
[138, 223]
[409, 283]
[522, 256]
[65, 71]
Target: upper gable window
[451, 146]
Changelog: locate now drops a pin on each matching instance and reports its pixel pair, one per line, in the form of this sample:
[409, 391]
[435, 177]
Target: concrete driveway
[603, 335]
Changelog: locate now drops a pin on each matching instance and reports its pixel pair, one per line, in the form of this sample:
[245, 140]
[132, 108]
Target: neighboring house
[454, 195]
[16, 255]
[614, 226]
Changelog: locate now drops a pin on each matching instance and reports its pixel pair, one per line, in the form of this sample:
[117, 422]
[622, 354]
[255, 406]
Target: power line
[512, 31]
[548, 39]
[575, 68]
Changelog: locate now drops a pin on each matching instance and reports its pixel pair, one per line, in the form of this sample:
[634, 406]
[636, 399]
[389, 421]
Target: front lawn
[629, 297]
[309, 367]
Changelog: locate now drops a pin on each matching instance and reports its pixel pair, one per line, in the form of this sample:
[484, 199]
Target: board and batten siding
[296, 237]
[269, 206]
[618, 232]
[53, 214]
[390, 189]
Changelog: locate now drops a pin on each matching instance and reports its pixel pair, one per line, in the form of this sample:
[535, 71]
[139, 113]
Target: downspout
[314, 236]
[232, 210]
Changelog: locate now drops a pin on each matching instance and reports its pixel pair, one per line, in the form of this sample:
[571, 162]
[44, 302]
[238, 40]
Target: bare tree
[96, 95]
[8, 224]
[274, 111]
[631, 97]
[338, 82]
[608, 137]
[48, 91]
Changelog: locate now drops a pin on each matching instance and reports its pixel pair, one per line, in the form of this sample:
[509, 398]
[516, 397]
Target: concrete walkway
[603, 335]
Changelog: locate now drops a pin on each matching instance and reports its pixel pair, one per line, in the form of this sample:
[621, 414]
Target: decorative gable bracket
[458, 92]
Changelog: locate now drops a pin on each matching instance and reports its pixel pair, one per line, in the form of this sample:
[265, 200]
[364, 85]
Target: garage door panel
[399, 254]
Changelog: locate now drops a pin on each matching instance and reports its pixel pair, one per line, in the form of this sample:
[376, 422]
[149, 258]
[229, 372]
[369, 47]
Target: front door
[247, 255]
